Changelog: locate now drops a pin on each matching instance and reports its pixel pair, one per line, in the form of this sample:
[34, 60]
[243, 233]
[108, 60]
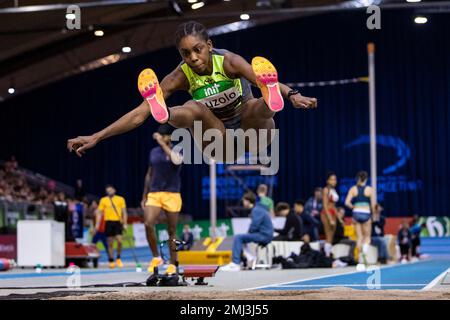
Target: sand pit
[323, 294]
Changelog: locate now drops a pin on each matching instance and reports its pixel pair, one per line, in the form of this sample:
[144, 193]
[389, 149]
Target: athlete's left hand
[299, 101]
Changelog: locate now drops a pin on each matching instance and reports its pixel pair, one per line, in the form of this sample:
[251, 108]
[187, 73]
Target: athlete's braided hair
[190, 28]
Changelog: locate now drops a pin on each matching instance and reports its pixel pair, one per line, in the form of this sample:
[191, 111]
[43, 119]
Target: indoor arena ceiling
[36, 47]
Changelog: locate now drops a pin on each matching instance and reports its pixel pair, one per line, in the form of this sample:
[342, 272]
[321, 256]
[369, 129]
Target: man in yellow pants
[114, 209]
[162, 192]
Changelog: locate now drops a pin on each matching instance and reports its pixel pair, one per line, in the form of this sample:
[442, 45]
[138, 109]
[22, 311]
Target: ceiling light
[245, 16]
[198, 5]
[126, 49]
[420, 20]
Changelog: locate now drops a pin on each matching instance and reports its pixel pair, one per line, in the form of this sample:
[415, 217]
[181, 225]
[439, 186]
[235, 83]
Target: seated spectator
[14, 186]
[416, 229]
[293, 227]
[404, 241]
[261, 191]
[260, 230]
[313, 207]
[339, 234]
[187, 238]
[310, 223]
[377, 239]
[11, 165]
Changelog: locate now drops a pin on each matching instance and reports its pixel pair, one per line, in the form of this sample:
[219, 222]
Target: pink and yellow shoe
[150, 90]
[267, 81]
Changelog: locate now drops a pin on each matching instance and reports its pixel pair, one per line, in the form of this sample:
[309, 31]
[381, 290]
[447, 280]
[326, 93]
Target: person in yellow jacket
[114, 210]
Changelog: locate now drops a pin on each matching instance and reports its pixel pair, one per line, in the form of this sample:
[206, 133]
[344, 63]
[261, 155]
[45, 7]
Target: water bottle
[38, 268]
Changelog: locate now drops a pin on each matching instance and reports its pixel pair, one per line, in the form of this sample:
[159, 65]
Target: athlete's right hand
[81, 144]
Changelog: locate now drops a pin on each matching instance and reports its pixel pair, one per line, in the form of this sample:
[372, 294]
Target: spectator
[377, 239]
[162, 194]
[61, 210]
[339, 235]
[261, 191]
[416, 229]
[11, 165]
[328, 214]
[115, 211]
[77, 218]
[293, 227]
[16, 186]
[51, 197]
[99, 227]
[51, 185]
[314, 204]
[260, 231]
[87, 216]
[42, 195]
[311, 222]
[361, 201]
[404, 241]
[187, 237]
[79, 190]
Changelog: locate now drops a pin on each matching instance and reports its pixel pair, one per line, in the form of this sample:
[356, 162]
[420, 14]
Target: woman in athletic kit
[328, 214]
[218, 81]
[360, 201]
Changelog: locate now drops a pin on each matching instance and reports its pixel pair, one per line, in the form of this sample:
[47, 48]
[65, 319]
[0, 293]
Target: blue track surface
[143, 255]
[46, 274]
[413, 276]
[436, 247]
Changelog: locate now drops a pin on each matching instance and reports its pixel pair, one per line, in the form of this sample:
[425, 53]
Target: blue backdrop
[413, 97]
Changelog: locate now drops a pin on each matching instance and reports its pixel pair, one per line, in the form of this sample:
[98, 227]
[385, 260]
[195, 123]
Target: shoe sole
[150, 90]
[267, 81]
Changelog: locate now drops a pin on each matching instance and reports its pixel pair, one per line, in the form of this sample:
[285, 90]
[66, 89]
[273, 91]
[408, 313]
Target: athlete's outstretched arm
[235, 67]
[174, 81]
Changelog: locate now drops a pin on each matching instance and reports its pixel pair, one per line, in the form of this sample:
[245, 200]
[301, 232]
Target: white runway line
[328, 276]
[301, 280]
[352, 285]
[436, 280]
